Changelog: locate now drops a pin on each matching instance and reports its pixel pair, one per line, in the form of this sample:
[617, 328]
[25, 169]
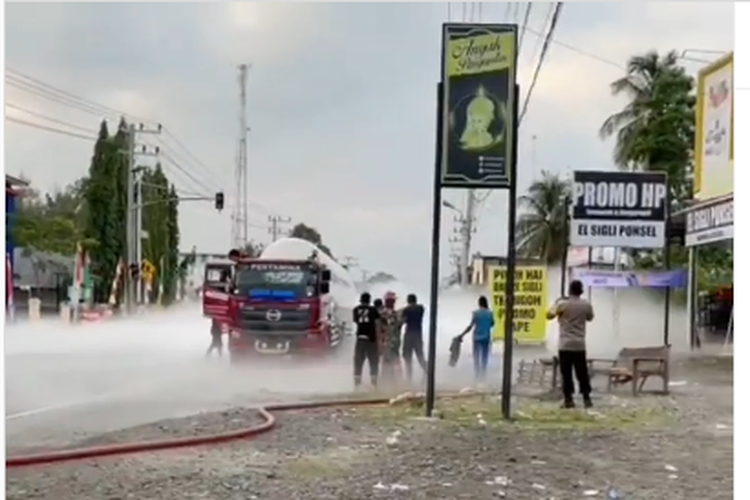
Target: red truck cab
[271, 306]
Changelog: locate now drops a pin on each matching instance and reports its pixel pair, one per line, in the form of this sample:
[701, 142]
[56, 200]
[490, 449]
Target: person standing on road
[572, 313]
[217, 329]
[413, 316]
[482, 323]
[366, 317]
[391, 320]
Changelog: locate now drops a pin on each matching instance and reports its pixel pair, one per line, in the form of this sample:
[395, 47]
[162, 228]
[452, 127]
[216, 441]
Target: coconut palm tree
[540, 230]
[655, 129]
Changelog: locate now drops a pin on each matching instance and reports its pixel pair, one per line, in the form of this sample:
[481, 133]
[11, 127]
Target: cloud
[341, 104]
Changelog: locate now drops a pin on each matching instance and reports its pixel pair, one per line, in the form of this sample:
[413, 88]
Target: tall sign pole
[476, 144]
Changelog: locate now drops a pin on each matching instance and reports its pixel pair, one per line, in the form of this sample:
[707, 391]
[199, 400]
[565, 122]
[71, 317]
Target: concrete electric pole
[468, 232]
[239, 214]
[348, 262]
[275, 223]
[464, 233]
[134, 215]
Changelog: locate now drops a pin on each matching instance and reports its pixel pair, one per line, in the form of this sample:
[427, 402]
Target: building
[709, 220]
[13, 186]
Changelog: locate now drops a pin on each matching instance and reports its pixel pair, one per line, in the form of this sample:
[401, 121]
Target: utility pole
[134, 215]
[468, 233]
[347, 262]
[274, 228]
[239, 216]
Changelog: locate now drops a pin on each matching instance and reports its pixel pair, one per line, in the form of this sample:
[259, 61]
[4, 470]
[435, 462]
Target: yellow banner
[479, 93]
[530, 303]
[714, 131]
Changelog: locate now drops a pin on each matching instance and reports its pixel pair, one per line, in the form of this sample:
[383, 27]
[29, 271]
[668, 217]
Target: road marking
[81, 402]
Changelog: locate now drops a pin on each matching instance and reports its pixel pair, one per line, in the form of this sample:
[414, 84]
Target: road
[65, 383]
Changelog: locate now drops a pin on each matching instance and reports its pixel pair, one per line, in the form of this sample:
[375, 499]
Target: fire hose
[264, 412]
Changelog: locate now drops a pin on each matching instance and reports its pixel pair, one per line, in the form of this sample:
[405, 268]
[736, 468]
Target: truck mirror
[325, 288]
[325, 275]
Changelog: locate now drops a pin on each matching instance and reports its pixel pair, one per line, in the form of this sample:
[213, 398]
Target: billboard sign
[619, 209]
[479, 76]
[714, 131]
[710, 223]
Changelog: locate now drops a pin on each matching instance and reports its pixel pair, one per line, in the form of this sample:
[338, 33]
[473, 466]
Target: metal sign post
[476, 146]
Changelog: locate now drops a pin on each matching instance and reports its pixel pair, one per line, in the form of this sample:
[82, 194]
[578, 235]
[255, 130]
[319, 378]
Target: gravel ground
[652, 447]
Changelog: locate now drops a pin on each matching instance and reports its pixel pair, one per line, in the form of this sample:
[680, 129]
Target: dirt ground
[677, 447]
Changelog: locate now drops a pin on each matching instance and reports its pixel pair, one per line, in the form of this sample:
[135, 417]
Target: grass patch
[333, 463]
[485, 411]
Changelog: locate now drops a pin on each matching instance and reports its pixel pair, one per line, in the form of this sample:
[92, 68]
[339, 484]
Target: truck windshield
[276, 281]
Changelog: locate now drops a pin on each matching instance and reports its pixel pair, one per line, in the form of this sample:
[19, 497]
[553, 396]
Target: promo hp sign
[619, 209]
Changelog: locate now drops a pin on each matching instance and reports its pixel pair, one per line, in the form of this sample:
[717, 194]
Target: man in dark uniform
[413, 317]
[366, 317]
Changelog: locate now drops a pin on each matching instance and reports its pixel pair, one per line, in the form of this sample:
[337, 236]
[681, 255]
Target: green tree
[655, 129]
[171, 260]
[155, 193]
[541, 223]
[103, 219]
[308, 233]
[51, 223]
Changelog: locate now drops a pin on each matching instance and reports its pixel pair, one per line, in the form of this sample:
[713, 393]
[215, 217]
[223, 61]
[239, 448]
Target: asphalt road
[64, 383]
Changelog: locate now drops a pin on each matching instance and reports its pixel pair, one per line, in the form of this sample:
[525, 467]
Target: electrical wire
[526, 16]
[49, 129]
[545, 24]
[540, 63]
[49, 118]
[14, 74]
[176, 164]
[39, 88]
[590, 55]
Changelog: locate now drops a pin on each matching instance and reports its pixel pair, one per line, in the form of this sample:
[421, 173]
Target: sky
[341, 106]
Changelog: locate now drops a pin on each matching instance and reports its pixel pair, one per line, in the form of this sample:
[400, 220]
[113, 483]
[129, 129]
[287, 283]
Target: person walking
[366, 317]
[572, 313]
[413, 345]
[482, 323]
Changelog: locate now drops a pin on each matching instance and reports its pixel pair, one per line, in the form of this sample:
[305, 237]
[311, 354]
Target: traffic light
[219, 201]
[134, 270]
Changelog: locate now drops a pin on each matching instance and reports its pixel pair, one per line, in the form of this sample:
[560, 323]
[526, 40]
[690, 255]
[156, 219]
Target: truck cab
[273, 306]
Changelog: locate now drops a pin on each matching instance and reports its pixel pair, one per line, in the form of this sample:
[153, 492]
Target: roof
[15, 181]
[40, 269]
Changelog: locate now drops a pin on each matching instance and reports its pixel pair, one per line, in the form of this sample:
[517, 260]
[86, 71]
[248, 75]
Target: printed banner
[710, 223]
[676, 278]
[479, 77]
[714, 131]
[619, 209]
[529, 307]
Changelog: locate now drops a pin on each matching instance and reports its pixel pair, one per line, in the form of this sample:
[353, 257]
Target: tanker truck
[274, 307]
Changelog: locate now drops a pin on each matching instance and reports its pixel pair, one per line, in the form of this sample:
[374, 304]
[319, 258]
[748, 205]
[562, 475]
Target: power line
[39, 88]
[545, 24]
[590, 55]
[542, 54]
[38, 83]
[179, 167]
[526, 16]
[49, 118]
[49, 129]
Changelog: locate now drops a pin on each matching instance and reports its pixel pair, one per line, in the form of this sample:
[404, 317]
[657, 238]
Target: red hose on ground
[121, 449]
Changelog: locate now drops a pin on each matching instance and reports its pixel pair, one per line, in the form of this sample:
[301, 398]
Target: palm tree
[654, 131]
[540, 230]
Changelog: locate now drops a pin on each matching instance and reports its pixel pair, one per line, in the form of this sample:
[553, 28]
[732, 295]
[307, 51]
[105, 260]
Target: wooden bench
[635, 365]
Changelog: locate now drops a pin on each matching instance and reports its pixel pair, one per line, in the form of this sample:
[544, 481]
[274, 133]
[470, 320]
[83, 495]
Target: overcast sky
[341, 105]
